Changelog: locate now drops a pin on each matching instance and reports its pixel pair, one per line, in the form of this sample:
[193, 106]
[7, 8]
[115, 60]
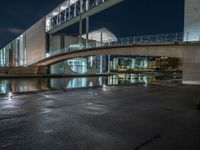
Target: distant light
[105, 88]
[47, 55]
[73, 1]
[55, 13]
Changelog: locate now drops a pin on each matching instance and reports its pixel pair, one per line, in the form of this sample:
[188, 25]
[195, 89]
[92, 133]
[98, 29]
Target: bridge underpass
[188, 52]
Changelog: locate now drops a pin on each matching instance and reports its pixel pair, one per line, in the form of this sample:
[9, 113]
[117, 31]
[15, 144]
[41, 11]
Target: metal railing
[139, 40]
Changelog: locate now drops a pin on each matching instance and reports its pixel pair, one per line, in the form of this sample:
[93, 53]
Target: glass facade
[14, 53]
[139, 63]
[3, 57]
[121, 63]
[80, 65]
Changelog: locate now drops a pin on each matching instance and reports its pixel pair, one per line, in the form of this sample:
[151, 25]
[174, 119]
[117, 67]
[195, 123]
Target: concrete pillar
[101, 38]
[80, 26]
[108, 63]
[192, 20]
[87, 28]
[191, 66]
[87, 31]
[75, 8]
[101, 64]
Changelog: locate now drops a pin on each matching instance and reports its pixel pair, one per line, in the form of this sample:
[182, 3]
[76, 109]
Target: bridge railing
[156, 39]
[146, 39]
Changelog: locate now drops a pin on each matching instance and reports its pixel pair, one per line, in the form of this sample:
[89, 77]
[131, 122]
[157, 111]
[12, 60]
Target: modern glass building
[42, 38]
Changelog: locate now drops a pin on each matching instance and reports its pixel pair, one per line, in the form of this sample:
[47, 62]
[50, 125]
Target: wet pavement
[139, 117]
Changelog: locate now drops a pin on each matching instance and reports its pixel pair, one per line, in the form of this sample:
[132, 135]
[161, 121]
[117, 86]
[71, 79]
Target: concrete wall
[70, 40]
[191, 58]
[192, 20]
[35, 41]
[55, 42]
[60, 41]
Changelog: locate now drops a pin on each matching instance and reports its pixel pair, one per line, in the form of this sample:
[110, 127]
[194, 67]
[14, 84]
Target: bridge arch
[166, 50]
[189, 52]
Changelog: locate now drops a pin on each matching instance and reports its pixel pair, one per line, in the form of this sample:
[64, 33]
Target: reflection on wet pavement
[40, 84]
[104, 118]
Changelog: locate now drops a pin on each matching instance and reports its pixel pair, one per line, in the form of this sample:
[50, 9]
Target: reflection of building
[22, 85]
[79, 82]
[3, 86]
[130, 79]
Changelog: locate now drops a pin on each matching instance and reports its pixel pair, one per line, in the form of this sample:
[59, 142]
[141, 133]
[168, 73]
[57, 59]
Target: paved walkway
[110, 118]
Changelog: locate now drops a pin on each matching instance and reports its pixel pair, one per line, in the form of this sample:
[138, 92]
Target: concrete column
[69, 13]
[75, 10]
[80, 26]
[108, 63]
[101, 64]
[191, 66]
[87, 31]
[101, 37]
[192, 20]
[65, 17]
[87, 28]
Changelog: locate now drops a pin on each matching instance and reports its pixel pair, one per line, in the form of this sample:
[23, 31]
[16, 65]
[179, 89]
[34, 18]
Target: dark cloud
[15, 30]
[11, 30]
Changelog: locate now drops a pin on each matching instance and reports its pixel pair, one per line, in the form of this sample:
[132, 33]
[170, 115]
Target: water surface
[40, 84]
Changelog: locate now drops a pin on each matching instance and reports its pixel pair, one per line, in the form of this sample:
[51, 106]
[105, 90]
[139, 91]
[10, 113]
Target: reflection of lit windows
[3, 90]
[77, 83]
[3, 87]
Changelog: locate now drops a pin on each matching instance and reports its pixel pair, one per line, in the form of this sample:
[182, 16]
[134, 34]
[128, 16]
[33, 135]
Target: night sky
[131, 17]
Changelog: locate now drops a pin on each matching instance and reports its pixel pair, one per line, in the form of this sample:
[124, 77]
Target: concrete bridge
[189, 52]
